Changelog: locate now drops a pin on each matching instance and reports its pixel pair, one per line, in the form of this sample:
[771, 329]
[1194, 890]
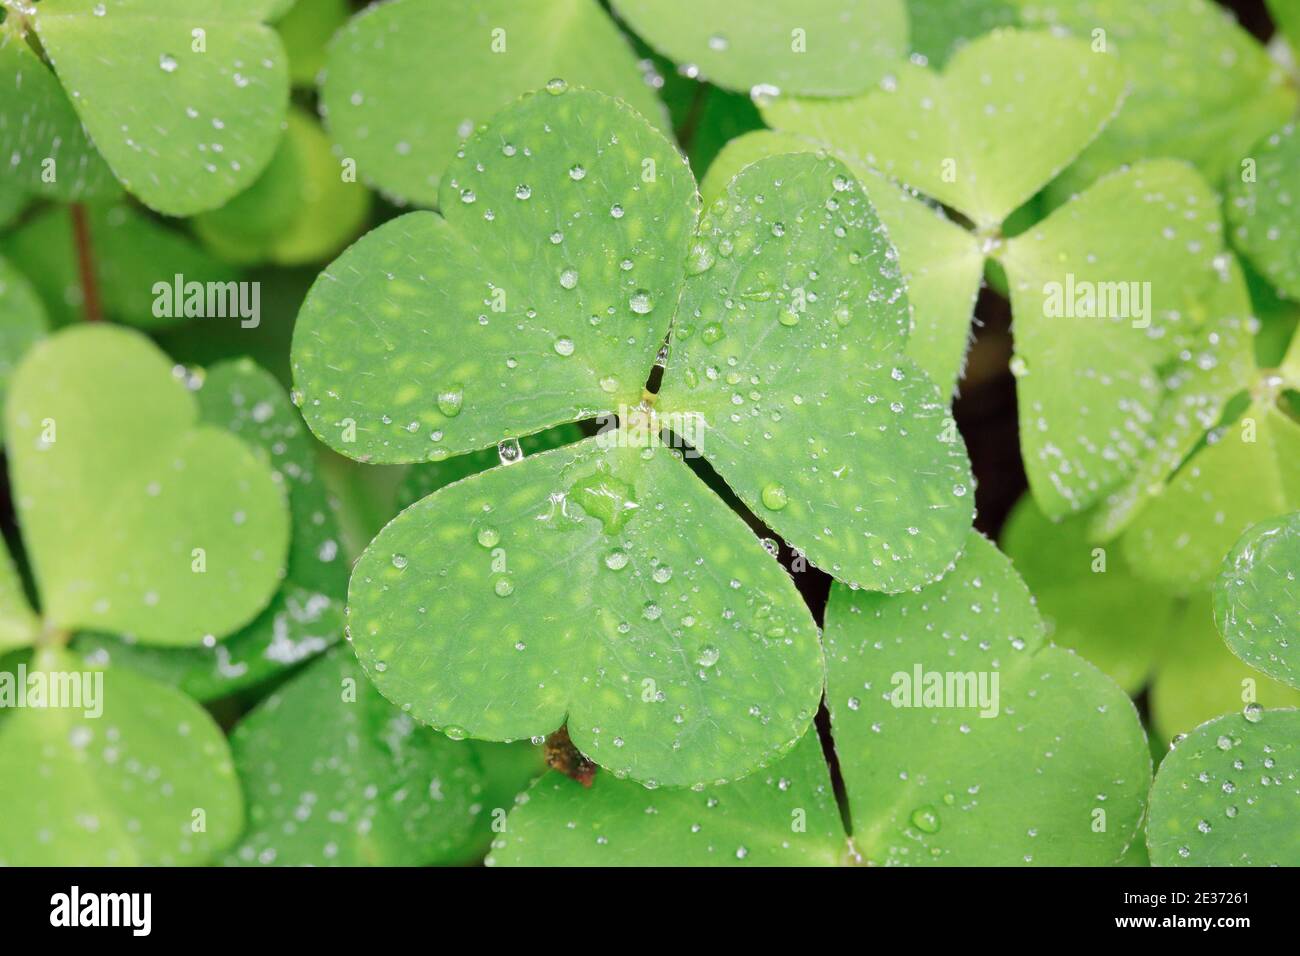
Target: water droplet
[400, 561]
[640, 302]
[926, 819]
[167, 62]
[503, 587]
[564, 346]
[488, 537]
[700, 259]
[577, 172]
[556, 86]
[523, 191]
[450, 400]
[569, 278]
[774, 496]
[616, 560]
[607, 498]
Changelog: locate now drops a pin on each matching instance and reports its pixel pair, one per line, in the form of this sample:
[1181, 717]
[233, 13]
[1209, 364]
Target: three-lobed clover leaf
[782, 816]
[602, 582]
[1264, 207]
[217, 83]
[809, 47]
[1227, 794]
[960, 732]
[138, 775]
[334, 775]
[306, 31]
[983, 138]
[461, 64]
[137, 519]
[1257, 602]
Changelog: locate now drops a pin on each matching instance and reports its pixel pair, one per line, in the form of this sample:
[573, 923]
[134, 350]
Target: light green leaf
[542, 297]
[809, 47]
[1248, 471]
[1265, 210]
[1059, 775]
[942, 27]
[45, 147]
[940, 261]
[1227, 795]
[1198, 679]
[132, 253]
[1100, 291]
[118, 780]
[1212, 366]
[788, 376]
[123, 496]
[1201, 88]
[603, 583]
[782, 816]
[18, 625]
[22, 322]
[215, 100]
[1287, 17]
[476, 60]
[306, 31]
[1008, 113]
[1257, 600]
[1088, 595]
[299, 211]
[337, 776]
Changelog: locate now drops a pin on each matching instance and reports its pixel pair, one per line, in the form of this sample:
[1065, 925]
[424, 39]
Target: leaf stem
[86, 264]
[563, 756]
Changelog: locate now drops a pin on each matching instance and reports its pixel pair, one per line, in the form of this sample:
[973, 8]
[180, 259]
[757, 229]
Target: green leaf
[542, 296]
[1248, 471]
[809, 47]
[1059, 775]
[942, 27]
[788, 376]
[211, 119]
[782, 816]
[1226, 795]
[299, 211]
[126, 780]
[1201, 88]
[1266, 208]
[1008, 113]
[475, 61]
[1212, 366]
[336, 776]
[1287, 17]
[600, 582]
[132, 253]
[941, 262]
[19, 626]
[22, 323]
[306, 31]
[1198, 679]
[1088, 595]
[44, 144]
[1257, 602]
[123, 496]
[12, 204]
[1100, 290]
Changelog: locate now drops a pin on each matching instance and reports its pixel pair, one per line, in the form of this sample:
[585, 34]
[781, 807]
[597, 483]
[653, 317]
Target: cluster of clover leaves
[810, 304]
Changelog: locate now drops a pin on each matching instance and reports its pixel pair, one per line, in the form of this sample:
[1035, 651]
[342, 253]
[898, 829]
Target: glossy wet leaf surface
[784, 815]
[146, 781]
[211, 120]
[1265, 208]
[542, 297]
[1257, 600]
[1229, 794]
[1045, 781]
[811, 47]
[477, 59]
[337, 776]
[787, 370]
[122, 495]
[605, 585]
[1006, 115]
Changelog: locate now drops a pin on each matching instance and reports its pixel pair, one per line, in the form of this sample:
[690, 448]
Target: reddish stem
[86, 264]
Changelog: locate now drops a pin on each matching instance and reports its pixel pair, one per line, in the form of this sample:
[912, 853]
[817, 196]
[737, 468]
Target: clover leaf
[1265, 205]
[306, 31]
[1256, 601]
[499, 574]
[479, 59]
[19, 625]
[137, 519]
[782, 816]
[1007, 774]
[148, 780]
[22, 322]
[983, 138]
[810, 47]
[218, 86]
[1226, 794]
[941, 27]
[334, 775]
